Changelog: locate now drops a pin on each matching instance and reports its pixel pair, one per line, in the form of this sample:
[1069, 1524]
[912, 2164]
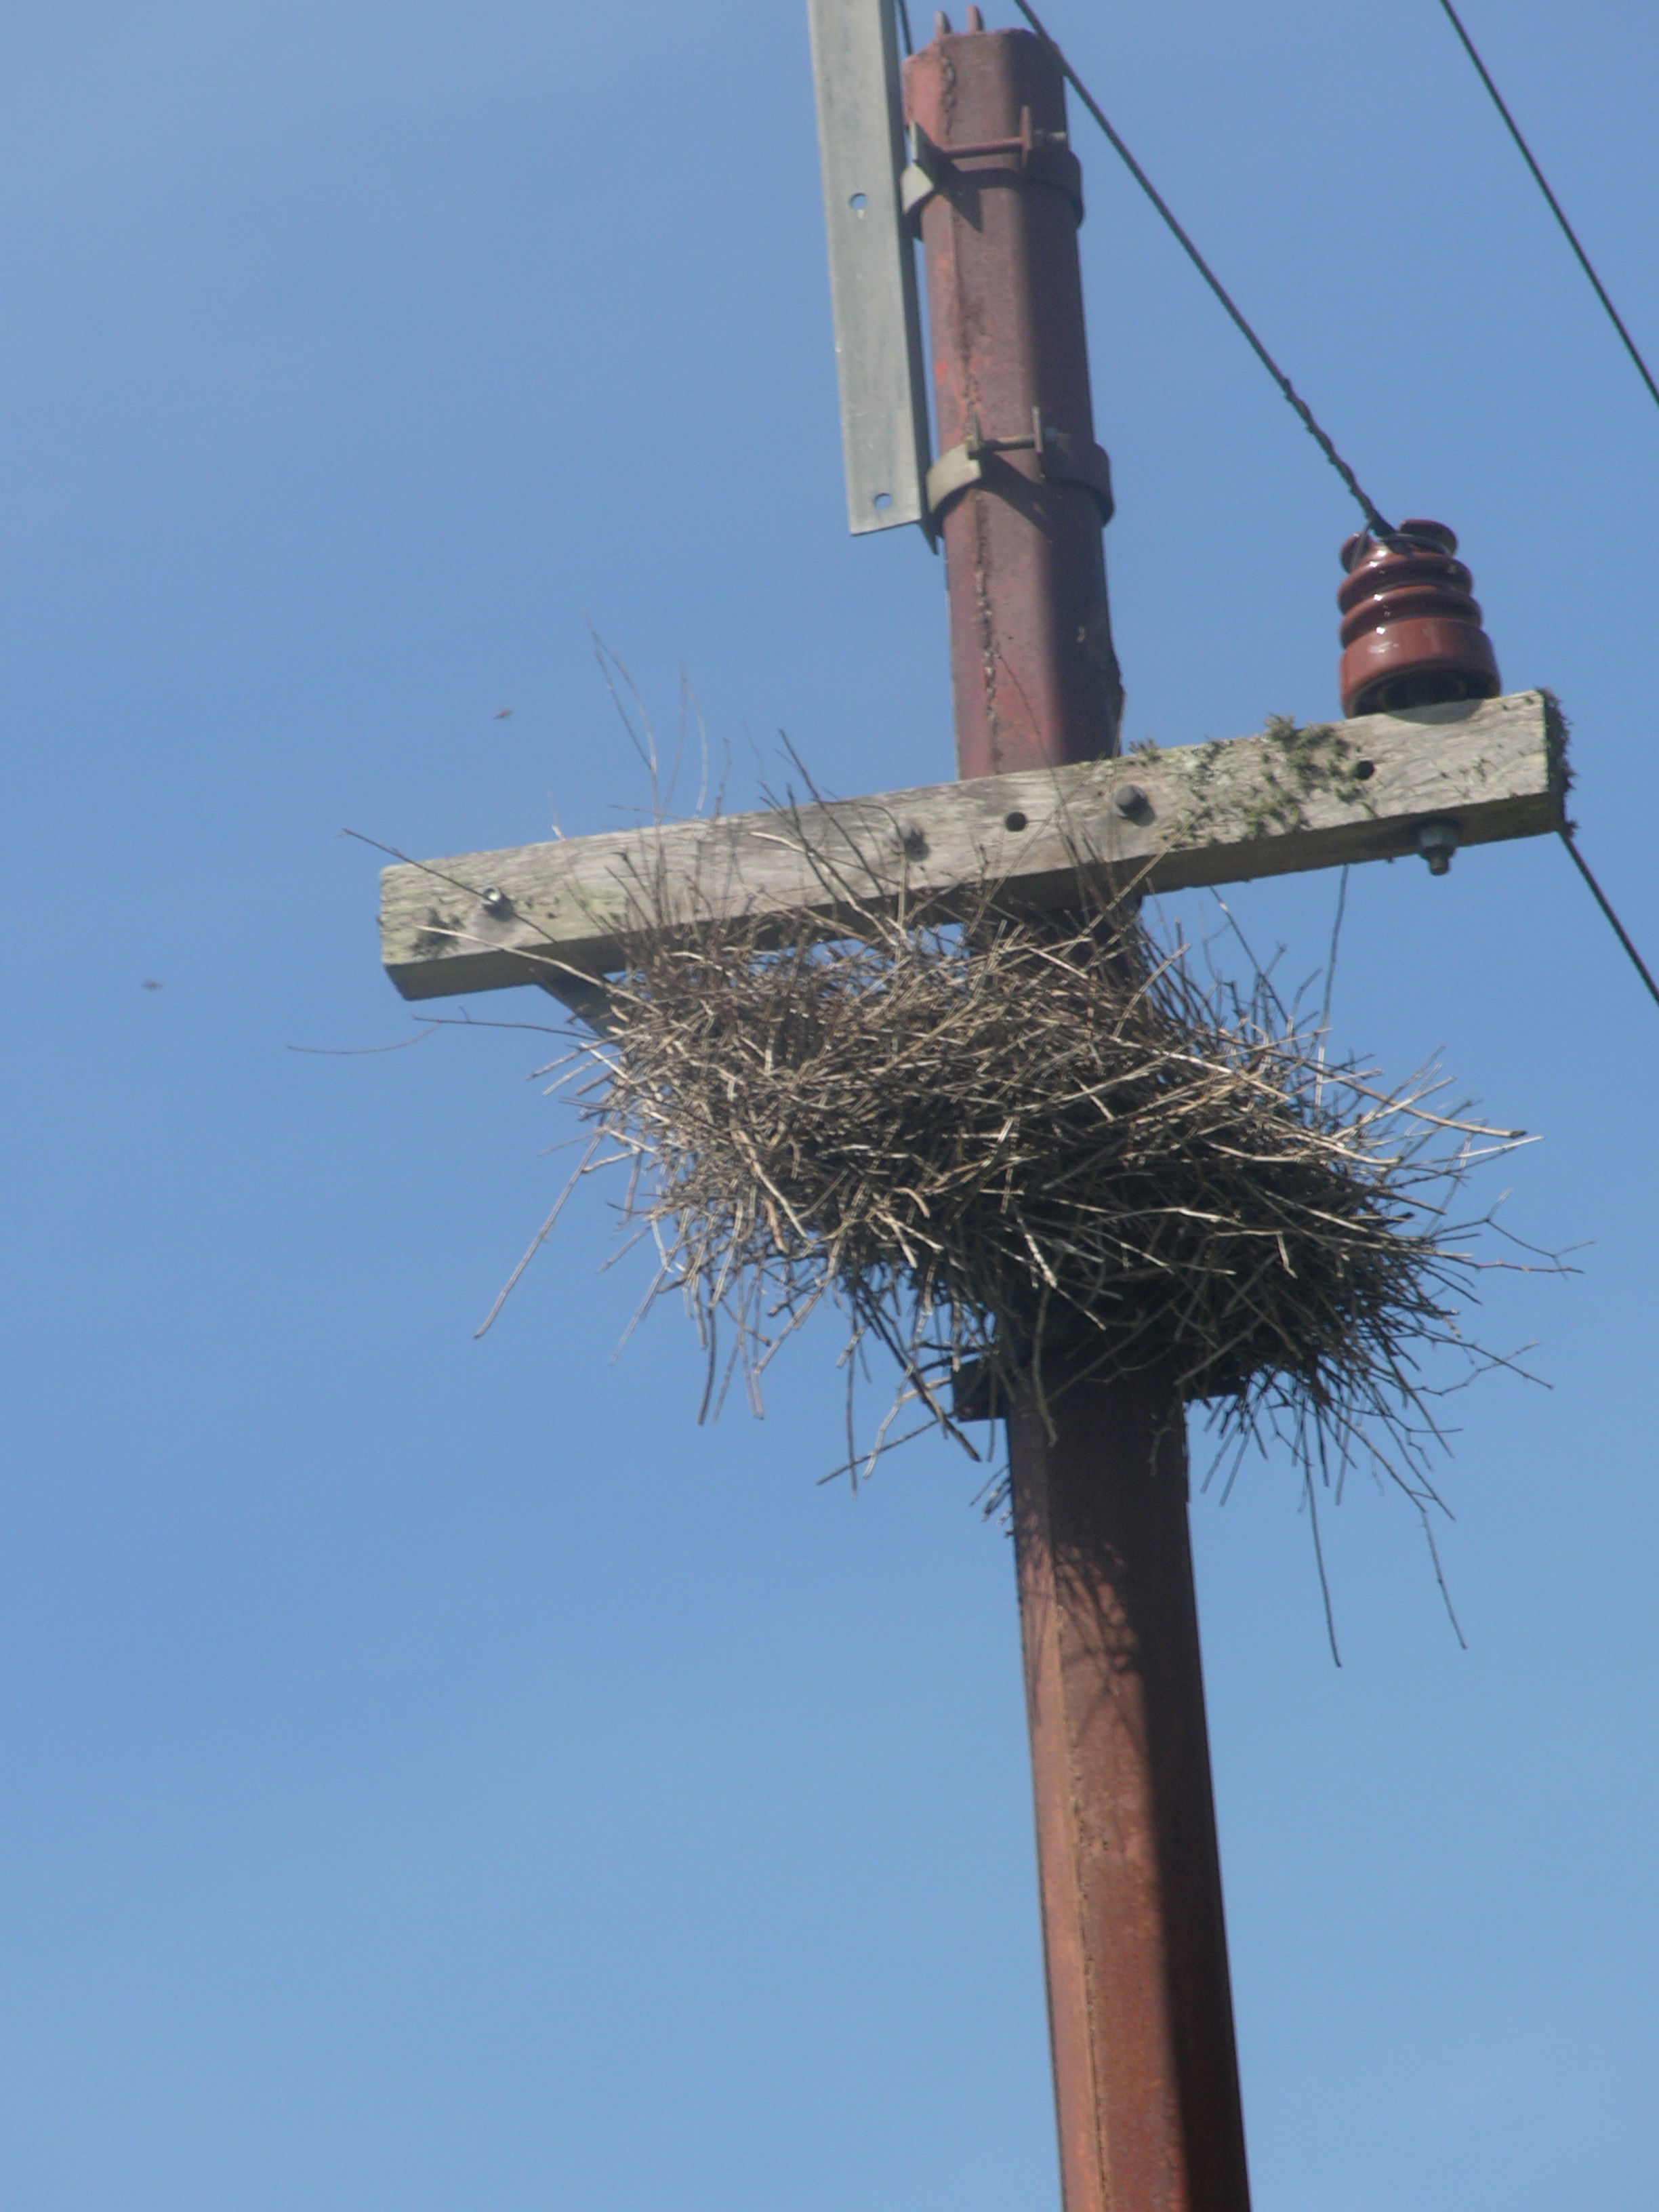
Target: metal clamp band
[1062, 457]
[920, 177]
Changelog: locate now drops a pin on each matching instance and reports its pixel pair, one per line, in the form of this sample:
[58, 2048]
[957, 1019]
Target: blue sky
[438, 1774]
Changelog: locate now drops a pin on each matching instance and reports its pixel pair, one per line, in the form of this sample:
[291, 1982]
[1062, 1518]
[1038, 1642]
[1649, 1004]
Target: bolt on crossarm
[1140, 2005]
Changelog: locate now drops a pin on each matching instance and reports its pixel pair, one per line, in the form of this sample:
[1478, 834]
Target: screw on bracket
[1411, 630]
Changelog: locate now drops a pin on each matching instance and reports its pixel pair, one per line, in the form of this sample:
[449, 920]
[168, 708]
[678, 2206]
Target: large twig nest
[999, 1141]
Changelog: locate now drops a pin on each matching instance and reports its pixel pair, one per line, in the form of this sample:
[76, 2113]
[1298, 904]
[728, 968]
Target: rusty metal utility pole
[1140, 2005]
[1000, 195]
[1141, 2012]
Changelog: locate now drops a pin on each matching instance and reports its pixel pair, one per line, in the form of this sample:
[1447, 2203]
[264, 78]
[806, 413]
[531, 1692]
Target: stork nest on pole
[1012, 1149]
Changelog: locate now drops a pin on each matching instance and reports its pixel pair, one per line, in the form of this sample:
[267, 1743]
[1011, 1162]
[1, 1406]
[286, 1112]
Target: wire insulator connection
[1374, 522]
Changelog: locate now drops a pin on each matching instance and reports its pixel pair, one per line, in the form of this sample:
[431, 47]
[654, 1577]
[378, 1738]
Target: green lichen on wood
[1242, 789]
[1557, 732]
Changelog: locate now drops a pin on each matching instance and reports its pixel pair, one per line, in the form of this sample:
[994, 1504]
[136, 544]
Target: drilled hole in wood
[1014, 820]
[1364, 770]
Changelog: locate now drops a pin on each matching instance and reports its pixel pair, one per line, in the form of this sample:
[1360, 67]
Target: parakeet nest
[1002, 1144]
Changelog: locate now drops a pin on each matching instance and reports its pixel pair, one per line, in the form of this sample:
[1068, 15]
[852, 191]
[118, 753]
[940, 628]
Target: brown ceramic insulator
[1411, 630]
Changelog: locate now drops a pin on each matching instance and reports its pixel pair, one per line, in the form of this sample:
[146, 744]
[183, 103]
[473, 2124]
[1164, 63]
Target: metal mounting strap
[919, 177]
[916, 187]
[1062, 456]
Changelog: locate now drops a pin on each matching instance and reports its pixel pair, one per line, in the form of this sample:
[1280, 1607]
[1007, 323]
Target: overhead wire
[1374, 519]
[1372, 513]
[1642, 370]
[1556, 209]
[1606, 905]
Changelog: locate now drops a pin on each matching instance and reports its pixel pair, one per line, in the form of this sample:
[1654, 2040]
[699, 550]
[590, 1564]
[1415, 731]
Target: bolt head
[1130, 801]
[495, 900]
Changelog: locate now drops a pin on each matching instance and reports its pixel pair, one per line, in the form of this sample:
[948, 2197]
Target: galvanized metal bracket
[873, 279]
[1062, 455]
[917, 182]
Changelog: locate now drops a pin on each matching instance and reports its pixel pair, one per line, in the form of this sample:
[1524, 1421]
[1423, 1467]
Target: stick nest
[1007, 1148]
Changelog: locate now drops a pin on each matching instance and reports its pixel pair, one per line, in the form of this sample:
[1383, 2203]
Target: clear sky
[437, 1776]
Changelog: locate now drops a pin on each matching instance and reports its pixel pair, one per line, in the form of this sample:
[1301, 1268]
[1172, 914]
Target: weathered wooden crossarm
[1287, 801]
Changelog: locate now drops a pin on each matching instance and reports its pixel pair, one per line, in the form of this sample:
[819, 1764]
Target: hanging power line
[1606, 905]
[1373, 517]
[1378, 526]
[1642, 370]
[1568, 232]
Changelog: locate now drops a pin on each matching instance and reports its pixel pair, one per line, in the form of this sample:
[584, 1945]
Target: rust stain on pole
[1140, 2010]
[1140, 2005]
[1035, 675]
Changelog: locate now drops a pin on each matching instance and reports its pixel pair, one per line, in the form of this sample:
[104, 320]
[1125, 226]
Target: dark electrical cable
[1378, 526]
[1373, 516]
[1603, 902]
[1643, 371]
[1568, 232]
[904, 27]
